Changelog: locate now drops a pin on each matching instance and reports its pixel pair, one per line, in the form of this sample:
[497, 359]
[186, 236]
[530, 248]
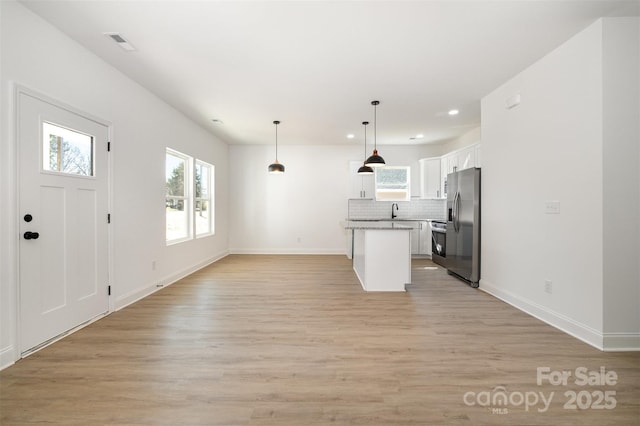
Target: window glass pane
[66, 151]
[204, 206]
[203, 217]
[177, 219]
[392, 178]
[175, 175]
[202, 181]
[392, 184]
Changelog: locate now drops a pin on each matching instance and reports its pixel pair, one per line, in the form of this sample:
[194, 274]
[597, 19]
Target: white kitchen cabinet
[455, 161]
[360, 186]
[430, 178]
[446, 167]
[466, 158]
[421, 238]
[425, 238]
[415, 241]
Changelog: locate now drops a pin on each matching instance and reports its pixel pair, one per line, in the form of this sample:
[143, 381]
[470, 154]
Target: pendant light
[276, 167]
[375, 160]
[365, 170]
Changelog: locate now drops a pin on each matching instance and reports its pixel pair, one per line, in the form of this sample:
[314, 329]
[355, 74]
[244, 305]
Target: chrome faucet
[393, 215]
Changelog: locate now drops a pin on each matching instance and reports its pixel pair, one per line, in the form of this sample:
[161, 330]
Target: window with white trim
[393, 183]
[203, 202]
[178, 199]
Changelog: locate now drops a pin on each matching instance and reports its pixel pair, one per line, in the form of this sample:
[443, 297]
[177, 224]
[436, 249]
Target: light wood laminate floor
[293, 340]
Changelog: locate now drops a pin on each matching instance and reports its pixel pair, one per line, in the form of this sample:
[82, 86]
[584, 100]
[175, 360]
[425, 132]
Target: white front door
[63, 202]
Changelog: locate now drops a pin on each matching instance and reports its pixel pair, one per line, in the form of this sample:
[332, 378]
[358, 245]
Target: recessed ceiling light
[351, 136]
[453, 112]
[420, 136]
[121, 41]
[217, 121]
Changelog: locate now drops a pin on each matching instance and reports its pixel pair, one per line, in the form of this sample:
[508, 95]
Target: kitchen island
[381, 254]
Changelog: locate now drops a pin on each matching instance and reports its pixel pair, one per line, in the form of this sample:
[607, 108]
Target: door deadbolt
[28, 218]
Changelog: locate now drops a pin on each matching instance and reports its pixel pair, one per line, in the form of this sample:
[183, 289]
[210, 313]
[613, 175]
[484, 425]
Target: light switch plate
[552, 207]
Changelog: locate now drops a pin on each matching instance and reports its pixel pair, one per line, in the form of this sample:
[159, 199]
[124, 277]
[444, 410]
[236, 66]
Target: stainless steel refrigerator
[463, 225]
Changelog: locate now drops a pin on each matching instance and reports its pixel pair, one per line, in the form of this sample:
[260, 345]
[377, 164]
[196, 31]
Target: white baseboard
[568, 325]
[140, 293]
[7, 357]
[621, 342]
[287, 251]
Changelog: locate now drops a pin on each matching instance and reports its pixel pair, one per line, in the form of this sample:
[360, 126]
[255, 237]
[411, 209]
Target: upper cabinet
[360, 186]
[430, 178]
[466, 158]
[434, 184]
[478, 155]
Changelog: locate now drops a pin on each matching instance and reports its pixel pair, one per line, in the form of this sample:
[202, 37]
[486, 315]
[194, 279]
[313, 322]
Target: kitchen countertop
[397, 219]
[376, 224]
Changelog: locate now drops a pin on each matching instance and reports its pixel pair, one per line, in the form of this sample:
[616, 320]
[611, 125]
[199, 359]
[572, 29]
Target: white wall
[469, 138]
[142, 126]
[621, 141]
[301, 210]
[550, 148]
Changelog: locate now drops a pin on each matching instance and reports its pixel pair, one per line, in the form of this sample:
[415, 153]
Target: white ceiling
[317, 65]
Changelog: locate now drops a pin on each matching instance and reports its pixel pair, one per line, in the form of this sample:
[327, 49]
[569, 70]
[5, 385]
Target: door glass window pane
[66, 151]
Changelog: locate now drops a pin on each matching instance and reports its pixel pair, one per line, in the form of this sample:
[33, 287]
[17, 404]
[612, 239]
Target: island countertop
[373, 224]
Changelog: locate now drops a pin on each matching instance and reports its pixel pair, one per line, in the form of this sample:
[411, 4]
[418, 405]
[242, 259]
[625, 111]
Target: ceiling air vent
[124, 44]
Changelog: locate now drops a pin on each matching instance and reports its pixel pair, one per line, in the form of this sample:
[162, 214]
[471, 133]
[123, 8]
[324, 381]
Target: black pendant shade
[375, 160]
[364, 169]
[276, 167]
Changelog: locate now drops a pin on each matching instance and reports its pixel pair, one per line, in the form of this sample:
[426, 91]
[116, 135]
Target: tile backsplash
[420, 209]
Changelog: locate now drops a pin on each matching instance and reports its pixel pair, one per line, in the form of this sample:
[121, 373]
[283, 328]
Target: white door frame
[19, 89]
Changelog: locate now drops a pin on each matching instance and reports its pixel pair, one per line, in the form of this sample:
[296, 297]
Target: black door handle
[31, 235]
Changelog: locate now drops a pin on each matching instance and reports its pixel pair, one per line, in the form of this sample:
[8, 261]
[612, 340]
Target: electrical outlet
[552, 207]
[548, 286]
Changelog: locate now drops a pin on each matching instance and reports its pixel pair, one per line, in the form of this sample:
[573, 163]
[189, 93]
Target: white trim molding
[140, 293]
[319, 252]
[7, 357]
[621, 342]
[561, 322]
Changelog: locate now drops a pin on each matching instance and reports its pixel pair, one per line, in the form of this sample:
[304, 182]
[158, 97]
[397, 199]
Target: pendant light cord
[276, 123]
[375, 124]
[365, 139]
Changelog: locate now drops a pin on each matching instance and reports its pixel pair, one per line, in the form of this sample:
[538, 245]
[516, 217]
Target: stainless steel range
[439, 242]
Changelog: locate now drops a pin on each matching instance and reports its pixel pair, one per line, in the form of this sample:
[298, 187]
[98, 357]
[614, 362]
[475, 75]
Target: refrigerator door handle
[456, 209]
[453, 211]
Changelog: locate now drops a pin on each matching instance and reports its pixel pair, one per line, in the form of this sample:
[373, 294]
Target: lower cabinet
[421, 238]
[425, 238]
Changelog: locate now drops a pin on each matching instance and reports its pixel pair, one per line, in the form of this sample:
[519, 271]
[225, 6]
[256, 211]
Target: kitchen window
[393, 183]
[189, 197]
